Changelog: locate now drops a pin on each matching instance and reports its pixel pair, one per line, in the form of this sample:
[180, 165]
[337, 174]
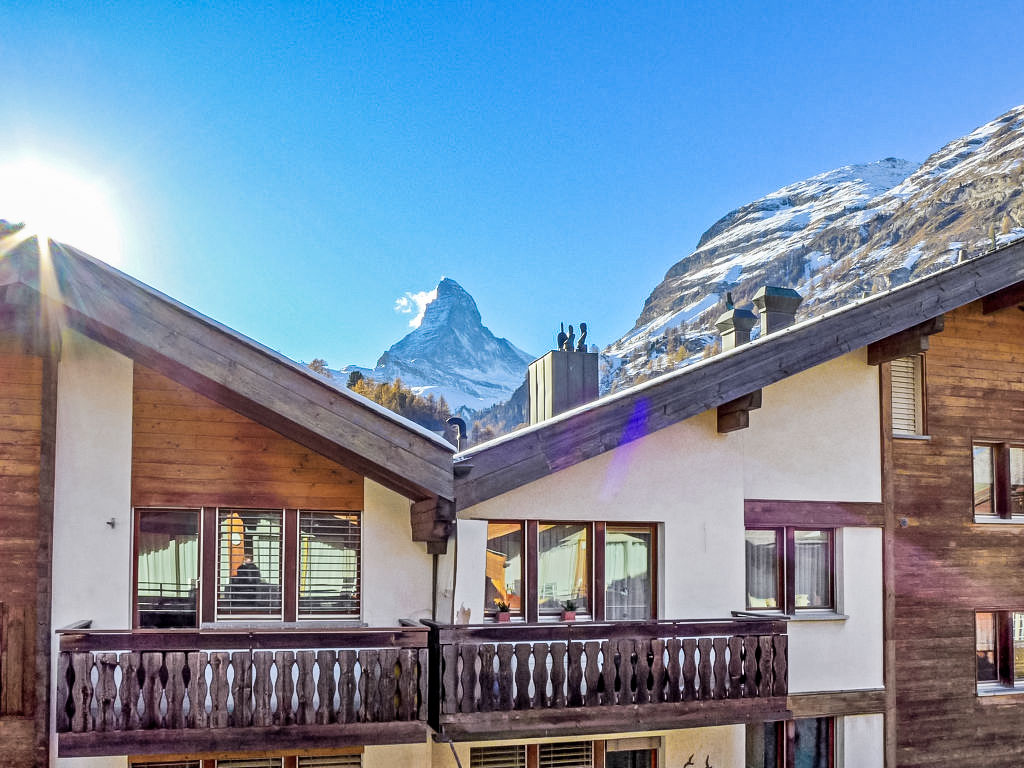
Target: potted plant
[503, 614]
[569, 610]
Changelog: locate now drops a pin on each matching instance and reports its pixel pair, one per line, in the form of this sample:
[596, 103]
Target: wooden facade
[188, 451]
[945, 566]
[21, 438]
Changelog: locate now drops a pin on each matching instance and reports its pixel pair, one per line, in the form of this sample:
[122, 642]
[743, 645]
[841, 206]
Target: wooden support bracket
[735, 414]
[911, 341]
[1008, 297]
[433, 521]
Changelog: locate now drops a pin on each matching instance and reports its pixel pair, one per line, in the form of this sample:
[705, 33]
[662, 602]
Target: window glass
[983, 497]
[503, 579]
[812, 742]
[1018, 646]
[328, 564]
[762, 745]
[633, 758]
[813, 569]
[167, 567]
[628, 562]
[985, 646]
[249, 563]
[562, 566]
[762, 569]
[1016, 480]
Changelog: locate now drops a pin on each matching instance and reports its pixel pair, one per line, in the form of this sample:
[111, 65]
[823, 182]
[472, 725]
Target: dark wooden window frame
[1001, 500]
[1005, 669]
[209, 550]
[289, 760]
[787, 738]
[785, 542]
[597, 538]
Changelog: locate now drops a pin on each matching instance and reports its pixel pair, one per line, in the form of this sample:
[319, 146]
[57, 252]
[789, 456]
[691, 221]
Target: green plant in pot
[503, 613]
[569, 610]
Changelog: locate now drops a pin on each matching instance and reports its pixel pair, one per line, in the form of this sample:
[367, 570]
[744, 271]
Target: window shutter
[510, 756]
[907, 411]
[329, 564]
[331, 761]
[175, 764]
[571, 754]
[251, 762]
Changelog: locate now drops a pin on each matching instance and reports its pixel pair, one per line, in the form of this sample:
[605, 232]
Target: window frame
[209, 573]
[1007, 679]
[490, 609]
[1002, 481]
[785, 737]
[597, 532]
[785, 542]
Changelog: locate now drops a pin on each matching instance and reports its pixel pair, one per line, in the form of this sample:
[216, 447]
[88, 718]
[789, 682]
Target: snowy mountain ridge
[834, 237]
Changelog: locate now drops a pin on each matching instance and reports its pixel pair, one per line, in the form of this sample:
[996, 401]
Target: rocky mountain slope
[858, 229]
[452, 354]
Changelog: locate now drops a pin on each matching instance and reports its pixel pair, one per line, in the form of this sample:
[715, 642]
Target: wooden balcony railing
[163, 692]
[497, 680]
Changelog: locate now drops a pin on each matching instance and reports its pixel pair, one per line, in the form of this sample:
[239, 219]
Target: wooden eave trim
[115, 311]
[571, 439]
[831, 514]
[911, 341]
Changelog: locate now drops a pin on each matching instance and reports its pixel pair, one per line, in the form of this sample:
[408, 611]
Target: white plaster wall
[723, 746]
[686, 477]
[847, 654]
[863, 741]
[816, 435]
[398, 756]
[92, 561]
[397, 571]
[471, 549]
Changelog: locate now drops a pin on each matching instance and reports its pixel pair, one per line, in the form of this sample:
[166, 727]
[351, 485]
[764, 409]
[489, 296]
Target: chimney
[735, 325]
[562, 379]
[777, 307]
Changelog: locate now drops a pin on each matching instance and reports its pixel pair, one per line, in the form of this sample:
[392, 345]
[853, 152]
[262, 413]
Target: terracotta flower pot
[503, 616]
[568, 615]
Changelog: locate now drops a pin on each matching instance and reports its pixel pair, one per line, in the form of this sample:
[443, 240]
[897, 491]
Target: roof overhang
[43, 290]
[521, 457]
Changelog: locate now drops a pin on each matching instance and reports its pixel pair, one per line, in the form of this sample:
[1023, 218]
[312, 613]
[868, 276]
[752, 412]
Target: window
[607, 570]
[907, 392]
[503, 580]
[999, 647]
[256, 564]
[790, 569]
[804, 743]
[166, 568]
[563, 754]
[563, 567]
[998, 481]
[347, 760]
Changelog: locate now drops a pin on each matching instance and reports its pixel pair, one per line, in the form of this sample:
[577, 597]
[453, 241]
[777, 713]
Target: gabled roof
[229, 368]
[529, 454]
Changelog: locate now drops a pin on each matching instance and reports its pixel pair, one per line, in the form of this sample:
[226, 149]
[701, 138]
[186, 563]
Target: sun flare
[62, 203]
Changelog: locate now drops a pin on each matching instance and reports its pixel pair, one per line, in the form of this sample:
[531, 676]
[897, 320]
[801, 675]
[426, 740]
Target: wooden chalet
[782, 555]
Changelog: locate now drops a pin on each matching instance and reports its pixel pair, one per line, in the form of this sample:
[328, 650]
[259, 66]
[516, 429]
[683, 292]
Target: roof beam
[911, 341]
[1008, 297]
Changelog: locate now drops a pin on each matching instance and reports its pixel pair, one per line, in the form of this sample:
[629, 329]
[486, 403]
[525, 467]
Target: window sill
[995, 693]
[809, 615]
[993, 520]
[896, 436]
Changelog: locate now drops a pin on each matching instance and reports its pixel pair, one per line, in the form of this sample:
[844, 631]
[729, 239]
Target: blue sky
[293, 169]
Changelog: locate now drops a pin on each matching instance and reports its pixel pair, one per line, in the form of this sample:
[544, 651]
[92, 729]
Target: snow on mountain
[452, 354]
[835, 236]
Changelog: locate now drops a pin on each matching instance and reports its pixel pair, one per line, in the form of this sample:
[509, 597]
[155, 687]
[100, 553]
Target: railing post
[434, 680]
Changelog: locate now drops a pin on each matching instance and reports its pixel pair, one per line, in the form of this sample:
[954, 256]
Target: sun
[58, 201]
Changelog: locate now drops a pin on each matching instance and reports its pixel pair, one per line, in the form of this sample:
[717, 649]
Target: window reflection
[983, 502]
[504, 567]
[167, 567]
[562, 567]
[628, 562]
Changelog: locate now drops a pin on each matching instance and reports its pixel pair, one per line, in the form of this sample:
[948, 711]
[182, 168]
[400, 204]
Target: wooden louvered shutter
[503, 756]
[907, 396]
[331, 761]
[569, 754]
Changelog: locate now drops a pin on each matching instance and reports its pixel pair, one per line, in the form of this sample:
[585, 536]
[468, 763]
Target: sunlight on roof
[60, 202]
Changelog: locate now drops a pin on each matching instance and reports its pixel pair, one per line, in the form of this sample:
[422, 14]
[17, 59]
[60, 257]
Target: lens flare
[59, 202]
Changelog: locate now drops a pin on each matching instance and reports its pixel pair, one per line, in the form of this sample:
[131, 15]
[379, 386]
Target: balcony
[161, 692]
[530, 680]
